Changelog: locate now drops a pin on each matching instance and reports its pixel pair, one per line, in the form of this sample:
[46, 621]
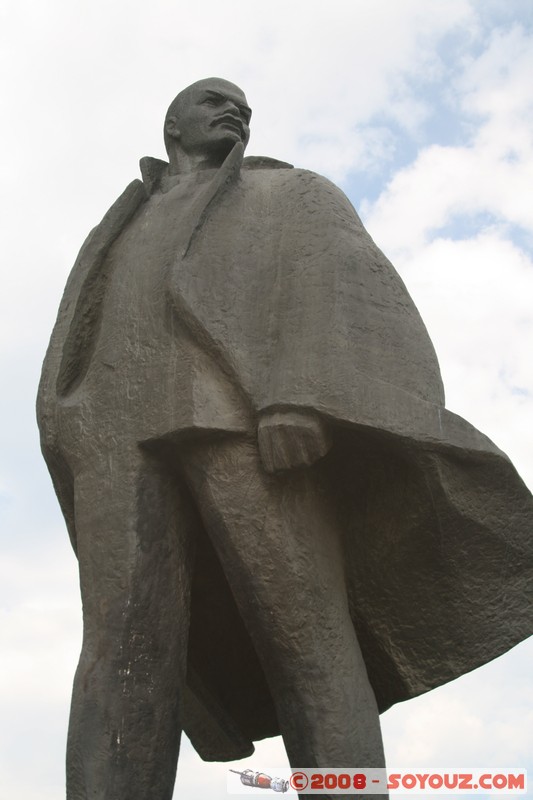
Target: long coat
[288, 300]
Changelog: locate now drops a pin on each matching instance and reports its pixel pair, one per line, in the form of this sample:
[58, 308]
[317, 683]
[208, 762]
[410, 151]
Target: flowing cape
[279, 281]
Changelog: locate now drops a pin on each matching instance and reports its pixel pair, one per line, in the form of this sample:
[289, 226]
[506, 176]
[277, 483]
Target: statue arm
[297, 436]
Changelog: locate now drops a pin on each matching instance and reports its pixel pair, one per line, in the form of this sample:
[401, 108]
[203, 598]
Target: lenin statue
[279, 526]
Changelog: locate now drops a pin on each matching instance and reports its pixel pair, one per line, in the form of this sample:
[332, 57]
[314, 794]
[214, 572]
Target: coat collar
[153, 170]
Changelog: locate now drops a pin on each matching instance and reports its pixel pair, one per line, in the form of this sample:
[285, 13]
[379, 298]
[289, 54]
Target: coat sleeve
[73, 336]
[70, 344]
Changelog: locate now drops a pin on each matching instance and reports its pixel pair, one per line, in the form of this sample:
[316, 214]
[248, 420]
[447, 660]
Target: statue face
[212, 116]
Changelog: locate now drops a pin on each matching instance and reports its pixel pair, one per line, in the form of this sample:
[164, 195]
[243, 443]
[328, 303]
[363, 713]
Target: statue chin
[221, 145]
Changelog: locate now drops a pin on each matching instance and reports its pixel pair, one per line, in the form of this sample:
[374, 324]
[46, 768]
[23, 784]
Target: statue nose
[231, 108]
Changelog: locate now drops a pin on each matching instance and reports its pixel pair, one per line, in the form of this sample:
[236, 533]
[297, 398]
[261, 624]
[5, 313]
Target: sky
[422, 112]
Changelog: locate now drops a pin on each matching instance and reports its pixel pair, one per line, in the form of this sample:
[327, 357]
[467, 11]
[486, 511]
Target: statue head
[204, 122]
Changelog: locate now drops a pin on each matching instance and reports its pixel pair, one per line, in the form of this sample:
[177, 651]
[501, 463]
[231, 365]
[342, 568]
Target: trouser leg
[279, 545]
[134, 546]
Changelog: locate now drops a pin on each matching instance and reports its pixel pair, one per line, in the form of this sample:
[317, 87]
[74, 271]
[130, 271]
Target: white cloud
[473, 284]
[40, 633]
[491, 174]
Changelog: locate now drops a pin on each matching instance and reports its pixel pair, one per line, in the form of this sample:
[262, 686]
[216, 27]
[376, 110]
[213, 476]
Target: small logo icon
[261, 781]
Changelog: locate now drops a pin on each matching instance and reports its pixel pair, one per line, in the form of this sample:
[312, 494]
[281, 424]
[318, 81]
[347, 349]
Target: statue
[279, 527]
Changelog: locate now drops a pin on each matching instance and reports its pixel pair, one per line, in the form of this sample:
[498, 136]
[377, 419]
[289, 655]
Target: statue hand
[289, 439]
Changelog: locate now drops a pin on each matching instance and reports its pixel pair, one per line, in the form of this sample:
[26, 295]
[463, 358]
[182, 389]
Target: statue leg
[134, 550]
[279, 544]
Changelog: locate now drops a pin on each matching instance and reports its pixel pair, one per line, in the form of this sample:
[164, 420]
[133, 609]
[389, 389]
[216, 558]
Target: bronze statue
[279, 527]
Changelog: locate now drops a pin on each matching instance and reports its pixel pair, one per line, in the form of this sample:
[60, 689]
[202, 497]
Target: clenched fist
[289, 439]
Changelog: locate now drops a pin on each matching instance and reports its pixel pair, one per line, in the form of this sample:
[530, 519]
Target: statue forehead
[218, 85]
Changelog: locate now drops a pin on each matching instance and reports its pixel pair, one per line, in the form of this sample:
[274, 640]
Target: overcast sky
[422, 111]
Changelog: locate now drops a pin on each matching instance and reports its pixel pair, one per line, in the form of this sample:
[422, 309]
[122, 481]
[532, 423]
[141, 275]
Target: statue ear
[171, 127]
